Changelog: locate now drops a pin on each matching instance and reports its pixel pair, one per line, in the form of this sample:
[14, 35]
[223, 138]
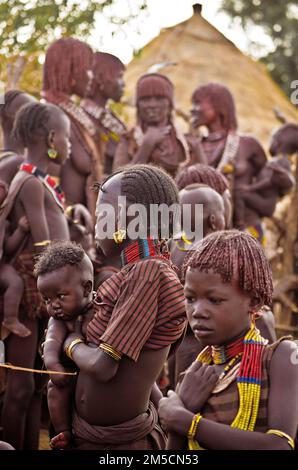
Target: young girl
[237, 383]
[139, 314]
[44, 131]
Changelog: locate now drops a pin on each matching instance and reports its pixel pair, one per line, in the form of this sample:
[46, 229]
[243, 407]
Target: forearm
[52, 350]
[13, 242]
[59, 403]
[263, 184]
[216, 436]
[176, 442]
[95, 362]
[143, 154]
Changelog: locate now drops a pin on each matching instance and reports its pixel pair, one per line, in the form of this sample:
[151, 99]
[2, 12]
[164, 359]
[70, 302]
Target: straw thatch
[203, 54]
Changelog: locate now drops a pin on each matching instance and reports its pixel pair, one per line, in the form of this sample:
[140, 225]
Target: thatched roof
[202, 55]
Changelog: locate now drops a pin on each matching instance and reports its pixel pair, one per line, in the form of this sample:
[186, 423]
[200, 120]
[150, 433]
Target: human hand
[155, 135]
[60, 381]
[197, 384]
[61, 441]
[23, 224]
[167, 410]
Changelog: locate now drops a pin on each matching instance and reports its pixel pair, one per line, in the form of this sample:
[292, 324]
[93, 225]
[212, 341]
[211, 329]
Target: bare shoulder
[285, 357]
[32, 188]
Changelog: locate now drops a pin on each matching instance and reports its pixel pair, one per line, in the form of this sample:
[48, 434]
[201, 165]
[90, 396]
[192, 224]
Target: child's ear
[88, 287]
[212, 222]
[51, 138]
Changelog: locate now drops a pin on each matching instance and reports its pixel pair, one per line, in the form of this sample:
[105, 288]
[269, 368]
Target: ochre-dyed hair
[146, 185]
[287, 136]
[57, 255]
[234, 255]
[222, 101]
[66, 60]
[106, 65]
[203, 174]
[32, 121]
[155, 84]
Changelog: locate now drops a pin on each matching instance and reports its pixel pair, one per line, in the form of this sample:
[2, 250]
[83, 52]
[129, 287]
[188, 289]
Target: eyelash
[216, 301]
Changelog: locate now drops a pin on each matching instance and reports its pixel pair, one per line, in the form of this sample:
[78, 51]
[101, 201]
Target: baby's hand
[60, 380]
[61, 441]
[23, 224]
[197, 384]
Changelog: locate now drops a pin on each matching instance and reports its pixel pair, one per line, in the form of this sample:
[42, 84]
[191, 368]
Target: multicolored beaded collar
[49, 183]
[249, 376]
[141, 249]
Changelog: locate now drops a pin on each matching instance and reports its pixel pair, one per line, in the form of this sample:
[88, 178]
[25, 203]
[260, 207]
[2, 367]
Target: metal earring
[119, 236]
[52, 153]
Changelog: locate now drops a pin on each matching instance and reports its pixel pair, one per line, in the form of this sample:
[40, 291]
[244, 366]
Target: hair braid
[234, 255]
[204, 174]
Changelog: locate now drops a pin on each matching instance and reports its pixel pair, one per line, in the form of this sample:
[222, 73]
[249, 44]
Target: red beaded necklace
[141, 249]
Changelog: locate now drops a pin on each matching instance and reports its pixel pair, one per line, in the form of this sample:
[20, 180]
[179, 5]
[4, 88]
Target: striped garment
[140, 307]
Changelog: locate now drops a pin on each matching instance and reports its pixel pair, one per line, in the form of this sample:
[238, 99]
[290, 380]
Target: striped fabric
[223, 407]
[140, 307]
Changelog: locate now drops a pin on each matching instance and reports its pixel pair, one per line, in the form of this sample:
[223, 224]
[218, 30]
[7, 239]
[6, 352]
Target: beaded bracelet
[278, 433]
[192, 443]
[116, 355]
[68, 350]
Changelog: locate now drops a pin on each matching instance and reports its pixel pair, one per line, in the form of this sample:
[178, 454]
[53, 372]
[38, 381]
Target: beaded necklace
[248, 377]
[75, 112]
[141, 249]
[48, 182]
[106, 119]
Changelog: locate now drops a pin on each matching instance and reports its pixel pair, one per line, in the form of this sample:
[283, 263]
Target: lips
[202, 330]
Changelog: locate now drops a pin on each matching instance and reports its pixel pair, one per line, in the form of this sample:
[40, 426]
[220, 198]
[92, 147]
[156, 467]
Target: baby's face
[63, 292]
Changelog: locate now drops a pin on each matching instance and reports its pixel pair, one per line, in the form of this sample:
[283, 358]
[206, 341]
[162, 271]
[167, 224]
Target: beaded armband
[116, 355]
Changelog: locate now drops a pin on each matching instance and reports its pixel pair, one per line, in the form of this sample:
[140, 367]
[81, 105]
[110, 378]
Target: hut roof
[203, 54]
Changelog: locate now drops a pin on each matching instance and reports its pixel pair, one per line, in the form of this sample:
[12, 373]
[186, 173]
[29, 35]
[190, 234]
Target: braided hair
[222, 101]
[66, 59]
[234, 255]
[31, 121]
[204, 174]
[8, 98]
[148, 185]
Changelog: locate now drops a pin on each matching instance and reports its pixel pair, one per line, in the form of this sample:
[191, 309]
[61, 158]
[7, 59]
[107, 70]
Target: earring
[119, 236]
[185, 239]
[52, 153]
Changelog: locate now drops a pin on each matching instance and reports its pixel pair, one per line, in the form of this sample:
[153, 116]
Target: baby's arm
[53, 348]
[59, 403]
[12, 242]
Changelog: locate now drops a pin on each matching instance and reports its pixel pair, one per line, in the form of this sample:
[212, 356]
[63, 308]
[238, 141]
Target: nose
[55, 304]
[200, 310]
